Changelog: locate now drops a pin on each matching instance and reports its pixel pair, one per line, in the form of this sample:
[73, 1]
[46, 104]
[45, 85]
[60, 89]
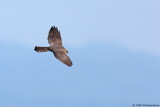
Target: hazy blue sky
[114, 45]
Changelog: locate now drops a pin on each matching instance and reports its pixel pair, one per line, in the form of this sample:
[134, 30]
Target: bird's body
[55, 41]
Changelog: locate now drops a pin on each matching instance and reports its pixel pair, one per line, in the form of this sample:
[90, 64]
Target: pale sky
[114, 46]
[132, 24]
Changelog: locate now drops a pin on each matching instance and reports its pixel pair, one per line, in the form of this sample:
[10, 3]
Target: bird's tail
[41, 49]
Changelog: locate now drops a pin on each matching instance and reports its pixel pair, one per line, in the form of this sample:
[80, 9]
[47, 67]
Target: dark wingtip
[70, 65]
[53, 28]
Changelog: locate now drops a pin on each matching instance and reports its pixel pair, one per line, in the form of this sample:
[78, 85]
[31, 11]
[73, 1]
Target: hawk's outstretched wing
[54, 36]
[62, 56]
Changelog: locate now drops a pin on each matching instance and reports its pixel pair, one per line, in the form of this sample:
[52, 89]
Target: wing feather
[62, 56]
[54, 36]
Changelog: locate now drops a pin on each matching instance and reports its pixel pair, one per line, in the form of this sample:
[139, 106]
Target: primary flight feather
[56, 46]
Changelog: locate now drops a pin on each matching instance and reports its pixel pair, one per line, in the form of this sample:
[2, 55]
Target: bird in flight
[56, 46]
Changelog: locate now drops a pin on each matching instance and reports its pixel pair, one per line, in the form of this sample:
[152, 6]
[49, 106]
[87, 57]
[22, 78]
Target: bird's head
[66, 51]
